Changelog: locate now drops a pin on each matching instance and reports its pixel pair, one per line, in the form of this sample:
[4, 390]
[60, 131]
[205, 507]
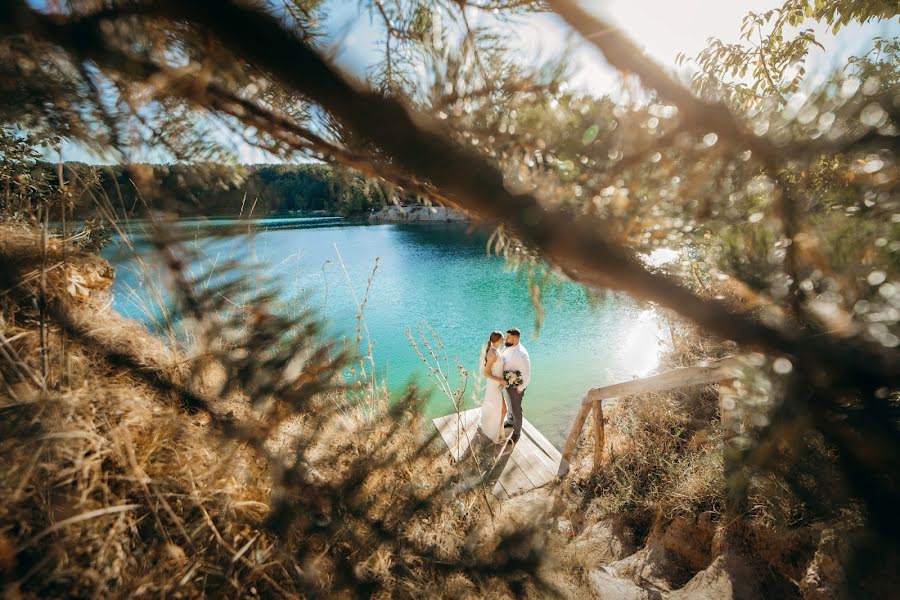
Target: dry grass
[109, 487]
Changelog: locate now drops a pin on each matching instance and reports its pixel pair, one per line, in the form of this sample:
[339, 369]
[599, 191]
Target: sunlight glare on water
[642, 345]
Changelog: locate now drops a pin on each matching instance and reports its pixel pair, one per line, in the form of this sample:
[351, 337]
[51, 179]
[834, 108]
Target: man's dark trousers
[515, 405]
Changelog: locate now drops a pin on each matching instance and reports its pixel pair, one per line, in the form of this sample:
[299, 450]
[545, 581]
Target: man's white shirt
[515, 358]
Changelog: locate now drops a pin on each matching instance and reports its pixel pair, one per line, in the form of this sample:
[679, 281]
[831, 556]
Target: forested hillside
[200, 189]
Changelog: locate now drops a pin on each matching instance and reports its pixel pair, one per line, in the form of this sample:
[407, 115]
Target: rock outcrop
[606, 583]
[605, 541]
[731, 576]
[680, 560]
[417, 214]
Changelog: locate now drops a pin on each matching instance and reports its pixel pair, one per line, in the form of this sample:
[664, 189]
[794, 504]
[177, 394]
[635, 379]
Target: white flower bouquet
[513, 378]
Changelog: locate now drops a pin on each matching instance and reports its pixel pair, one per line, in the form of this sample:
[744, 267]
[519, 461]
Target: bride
[493, 409]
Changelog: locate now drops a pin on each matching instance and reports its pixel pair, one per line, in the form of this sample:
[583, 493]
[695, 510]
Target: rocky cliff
[416, 214]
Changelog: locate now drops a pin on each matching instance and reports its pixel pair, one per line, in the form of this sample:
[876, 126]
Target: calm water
[439, 275]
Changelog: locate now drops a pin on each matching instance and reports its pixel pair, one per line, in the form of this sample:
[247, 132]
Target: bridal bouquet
[513, 378]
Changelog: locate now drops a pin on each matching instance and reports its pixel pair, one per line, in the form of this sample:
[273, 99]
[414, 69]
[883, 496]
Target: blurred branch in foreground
[795, 197]
[577, 246]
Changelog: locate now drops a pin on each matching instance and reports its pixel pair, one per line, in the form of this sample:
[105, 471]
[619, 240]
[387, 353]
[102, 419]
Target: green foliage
[23, 183]
[769, 60]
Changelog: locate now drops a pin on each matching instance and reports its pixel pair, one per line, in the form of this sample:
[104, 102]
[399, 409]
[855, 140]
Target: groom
[515, 358]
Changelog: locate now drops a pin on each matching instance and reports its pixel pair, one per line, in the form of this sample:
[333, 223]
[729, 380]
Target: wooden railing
[712, 372]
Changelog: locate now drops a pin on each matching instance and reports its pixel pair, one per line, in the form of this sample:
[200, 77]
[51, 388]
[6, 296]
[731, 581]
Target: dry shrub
[659, 460]
[153, 507]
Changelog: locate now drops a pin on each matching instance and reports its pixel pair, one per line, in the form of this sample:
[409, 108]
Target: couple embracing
[507, 368]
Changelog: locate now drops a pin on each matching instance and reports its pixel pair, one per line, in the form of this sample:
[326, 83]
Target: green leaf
[590, 134]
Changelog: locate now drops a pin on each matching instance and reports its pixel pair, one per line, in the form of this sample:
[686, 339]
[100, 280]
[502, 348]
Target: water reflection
[640, 353]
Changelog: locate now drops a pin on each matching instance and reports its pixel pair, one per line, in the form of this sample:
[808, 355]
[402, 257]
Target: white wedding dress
[491, 423]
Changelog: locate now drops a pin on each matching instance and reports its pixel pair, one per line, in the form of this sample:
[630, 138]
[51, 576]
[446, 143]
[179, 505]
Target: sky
[663, 28]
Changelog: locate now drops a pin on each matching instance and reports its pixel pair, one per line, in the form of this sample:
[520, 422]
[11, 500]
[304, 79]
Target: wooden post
[735, 498]
[572, 440]
[599, 433]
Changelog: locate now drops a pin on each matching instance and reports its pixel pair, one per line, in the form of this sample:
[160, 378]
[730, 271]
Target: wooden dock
[533, 462]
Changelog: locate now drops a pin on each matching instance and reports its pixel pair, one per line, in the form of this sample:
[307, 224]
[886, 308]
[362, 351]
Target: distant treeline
[214, 189]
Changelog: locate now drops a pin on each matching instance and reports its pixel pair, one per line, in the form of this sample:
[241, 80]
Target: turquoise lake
[433, 274]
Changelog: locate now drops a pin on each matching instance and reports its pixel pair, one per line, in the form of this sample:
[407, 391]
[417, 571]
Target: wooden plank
[514, 480]
[599, 437]
[539, 471]
[441, 427]
[519, 474]
[531, 459]
[521, 455]
[538, 459]
[447, 430]
[472, 423]
[572, 440]
[535, 470]
[468, 430]
[539, 474]
[542, 442]
[688, 376]
[547, 452]
[439, 422]
[458, 430]
[499, 492]
[531, 462]
[461, 423]
[504, 482]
